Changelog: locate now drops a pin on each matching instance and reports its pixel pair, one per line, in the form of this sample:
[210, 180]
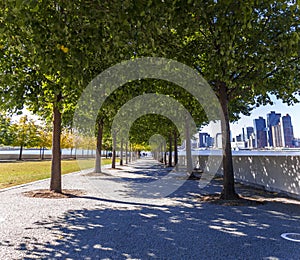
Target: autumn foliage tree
[24, 134]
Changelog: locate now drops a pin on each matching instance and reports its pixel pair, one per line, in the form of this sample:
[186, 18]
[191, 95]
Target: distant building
[288, 133]
[205, 140]
[260, 132]
[218, 140]
[296, 142]
[251, 141]
[239, 138]
[238, 145]
[243, 134]
[249, 131]
[273, 119]
[277, 139]
[194, 143]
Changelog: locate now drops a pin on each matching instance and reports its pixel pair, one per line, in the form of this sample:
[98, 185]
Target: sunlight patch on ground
[98, 246]
[232, 231]
[149, 215]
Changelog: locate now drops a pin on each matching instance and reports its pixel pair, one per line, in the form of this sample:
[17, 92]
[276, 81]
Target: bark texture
[175, 150]
[55, 183]
[188, 147]
[228, 192]
[170, 150]
[99, 147]
[113, 161]
[121, 153]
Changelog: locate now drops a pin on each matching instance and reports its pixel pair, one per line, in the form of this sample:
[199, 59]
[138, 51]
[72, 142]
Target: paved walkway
[120, 217]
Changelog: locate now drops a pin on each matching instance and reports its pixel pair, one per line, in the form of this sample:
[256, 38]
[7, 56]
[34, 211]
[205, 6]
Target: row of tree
[50, 50]
[24, 133]
[30, 133]
[27, 133]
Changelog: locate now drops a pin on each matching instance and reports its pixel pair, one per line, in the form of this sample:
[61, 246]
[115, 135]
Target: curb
[39, 181]
[47, 179]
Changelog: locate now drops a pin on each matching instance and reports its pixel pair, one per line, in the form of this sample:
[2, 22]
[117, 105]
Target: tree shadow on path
[192, 231]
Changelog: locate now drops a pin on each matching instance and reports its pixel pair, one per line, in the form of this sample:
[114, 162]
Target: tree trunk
[99, 147]
[228, 192]
[55, 183]
[126, 153]
[188, 148]
[161, 156]
[165, 153]
[113, 160]
[42, 149]
[175, 150]
[170, 150]
[121, 152]
[130, 157]
[21, 152]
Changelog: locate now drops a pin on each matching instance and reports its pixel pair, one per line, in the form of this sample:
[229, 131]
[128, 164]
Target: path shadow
[119, 229]
[198, 231]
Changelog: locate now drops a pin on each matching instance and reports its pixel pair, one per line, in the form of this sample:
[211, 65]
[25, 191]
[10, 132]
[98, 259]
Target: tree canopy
[50, 50]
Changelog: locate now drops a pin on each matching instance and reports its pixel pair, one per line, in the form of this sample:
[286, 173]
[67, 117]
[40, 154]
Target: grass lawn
[15, 173]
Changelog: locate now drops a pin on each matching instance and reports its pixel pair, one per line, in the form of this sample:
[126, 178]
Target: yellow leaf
[64, 49]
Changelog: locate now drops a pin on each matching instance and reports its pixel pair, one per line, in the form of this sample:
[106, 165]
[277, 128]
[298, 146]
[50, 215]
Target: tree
[46, 61]
[25, 134]
[67, 139]
[147, 126]
[52, 49]
[6, 133]
[107, 145]
[44, 139]
[245, 51]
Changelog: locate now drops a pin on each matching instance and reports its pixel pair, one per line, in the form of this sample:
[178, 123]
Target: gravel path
[116, 220]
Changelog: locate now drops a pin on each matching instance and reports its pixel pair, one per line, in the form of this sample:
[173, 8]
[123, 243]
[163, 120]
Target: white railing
[271, 170]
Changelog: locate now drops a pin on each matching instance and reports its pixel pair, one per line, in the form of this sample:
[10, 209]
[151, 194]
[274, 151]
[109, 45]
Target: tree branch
[277, 69]
[239, 75]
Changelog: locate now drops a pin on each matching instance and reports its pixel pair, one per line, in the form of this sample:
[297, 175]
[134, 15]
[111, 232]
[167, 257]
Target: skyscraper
[205, 140]
[260, 132]
[273, 119]
[249, 131]
[243, 134]
[277, 135]
[288, 133]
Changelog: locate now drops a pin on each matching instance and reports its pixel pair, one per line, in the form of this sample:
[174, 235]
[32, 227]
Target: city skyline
[274, 131]
[278, 107]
